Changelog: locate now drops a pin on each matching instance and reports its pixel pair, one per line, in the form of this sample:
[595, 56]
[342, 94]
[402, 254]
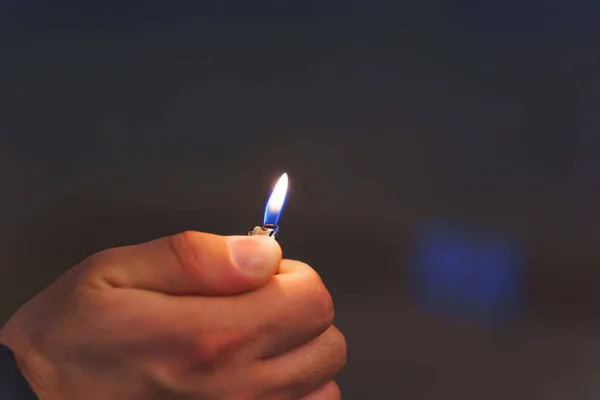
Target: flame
[276, 201]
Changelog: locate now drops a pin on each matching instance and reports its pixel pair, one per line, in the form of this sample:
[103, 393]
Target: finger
[293, 308]
[330, 391]
[190, 263]
[289, 311]
[303, 370]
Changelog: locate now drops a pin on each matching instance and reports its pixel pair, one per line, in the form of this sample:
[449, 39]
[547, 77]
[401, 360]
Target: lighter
[273, 210]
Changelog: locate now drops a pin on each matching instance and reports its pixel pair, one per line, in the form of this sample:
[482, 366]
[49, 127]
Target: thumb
[193, 263]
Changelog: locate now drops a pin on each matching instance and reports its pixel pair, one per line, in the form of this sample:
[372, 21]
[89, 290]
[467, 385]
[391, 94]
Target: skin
[191, 316]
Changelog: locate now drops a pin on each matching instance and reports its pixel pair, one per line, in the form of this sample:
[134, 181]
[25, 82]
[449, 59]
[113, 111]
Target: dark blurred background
[443, 162]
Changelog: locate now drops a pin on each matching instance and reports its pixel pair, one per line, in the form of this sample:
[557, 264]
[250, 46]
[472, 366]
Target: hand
[192, 316]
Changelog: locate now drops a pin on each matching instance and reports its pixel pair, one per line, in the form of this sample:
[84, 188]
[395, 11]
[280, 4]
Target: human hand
[191, 316]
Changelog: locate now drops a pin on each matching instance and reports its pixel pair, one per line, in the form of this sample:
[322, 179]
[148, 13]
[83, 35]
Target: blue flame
[276, 202]
[271, 216]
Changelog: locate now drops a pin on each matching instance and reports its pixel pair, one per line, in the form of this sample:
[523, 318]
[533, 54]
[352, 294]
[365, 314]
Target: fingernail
[255, 255]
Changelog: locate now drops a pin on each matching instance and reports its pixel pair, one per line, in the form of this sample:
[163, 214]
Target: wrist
[13, 384]
[25, 363]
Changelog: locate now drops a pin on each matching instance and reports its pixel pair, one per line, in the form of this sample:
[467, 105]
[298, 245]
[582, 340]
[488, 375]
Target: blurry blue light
[474, 273]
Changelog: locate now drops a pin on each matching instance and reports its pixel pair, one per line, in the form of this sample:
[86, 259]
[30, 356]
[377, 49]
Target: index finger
[293, 308]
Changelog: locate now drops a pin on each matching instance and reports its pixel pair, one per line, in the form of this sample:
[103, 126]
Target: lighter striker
[273, 210]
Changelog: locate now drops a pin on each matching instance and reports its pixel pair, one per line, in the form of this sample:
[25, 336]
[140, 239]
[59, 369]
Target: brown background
[122, 124]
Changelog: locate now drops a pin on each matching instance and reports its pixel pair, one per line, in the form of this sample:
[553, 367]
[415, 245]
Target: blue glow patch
[459, 271]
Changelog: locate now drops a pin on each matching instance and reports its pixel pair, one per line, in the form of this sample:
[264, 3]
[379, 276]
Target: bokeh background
[443, 161]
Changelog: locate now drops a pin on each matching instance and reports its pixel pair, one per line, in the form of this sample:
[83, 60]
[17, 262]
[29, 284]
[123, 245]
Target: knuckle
[337, 347]
[100, 270]
[330, 391]
[336, 393]
[187, 247]
[324, 361]
[180, 244]
[212, 350]
[322, 303]
[341, 349]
